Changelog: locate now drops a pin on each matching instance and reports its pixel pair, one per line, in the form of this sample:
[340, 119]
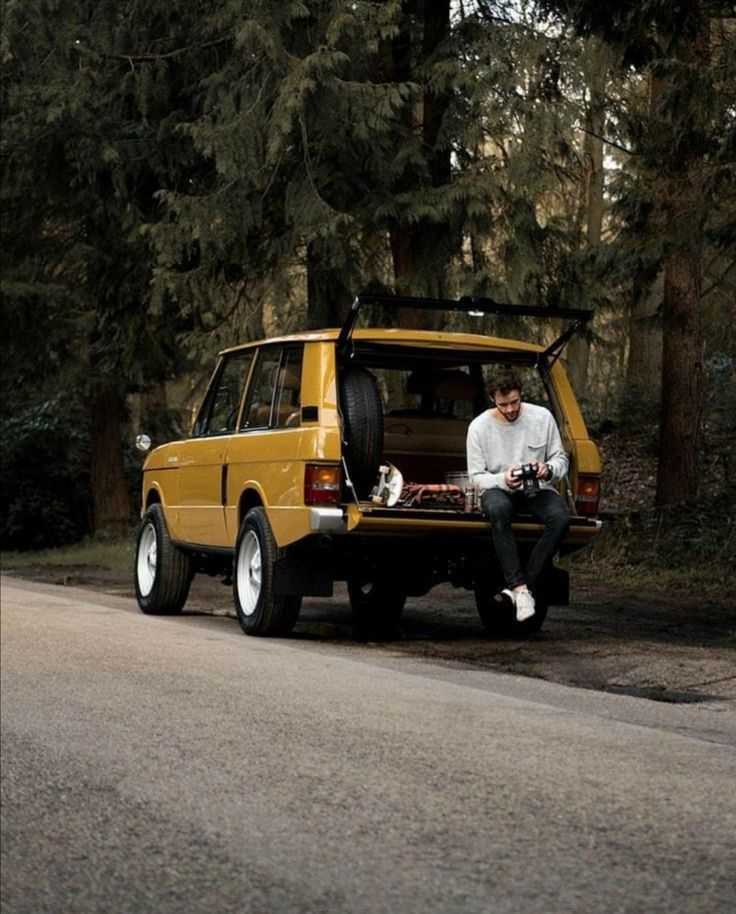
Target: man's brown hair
[504, 380]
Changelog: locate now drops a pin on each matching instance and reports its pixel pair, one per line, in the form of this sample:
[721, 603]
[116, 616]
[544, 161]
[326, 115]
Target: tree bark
[421, 251]
[154, 411]
[328, 300]
[579, 349]
[682, 369]
[110, 501]
[644, 362]
[679, 201]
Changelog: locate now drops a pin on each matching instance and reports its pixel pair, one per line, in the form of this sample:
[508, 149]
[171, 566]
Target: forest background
[181, 177]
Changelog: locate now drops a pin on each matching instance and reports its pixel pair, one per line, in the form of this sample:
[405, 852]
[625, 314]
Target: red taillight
[322, 484]
[588, 496]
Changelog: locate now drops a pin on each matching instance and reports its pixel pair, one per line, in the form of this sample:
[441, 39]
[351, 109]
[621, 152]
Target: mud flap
[301, 578]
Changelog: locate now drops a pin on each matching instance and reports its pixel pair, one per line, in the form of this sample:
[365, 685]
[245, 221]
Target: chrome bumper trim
[327, 520]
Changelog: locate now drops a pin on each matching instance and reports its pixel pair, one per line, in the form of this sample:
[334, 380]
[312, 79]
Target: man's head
[504, 389]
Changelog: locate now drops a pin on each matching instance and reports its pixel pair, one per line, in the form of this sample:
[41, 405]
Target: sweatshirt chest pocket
[536, 452]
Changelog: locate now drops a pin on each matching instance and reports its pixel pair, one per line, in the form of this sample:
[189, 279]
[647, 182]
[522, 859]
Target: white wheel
[249, 573]
[261, 611]
[162, 571]
[145, 566]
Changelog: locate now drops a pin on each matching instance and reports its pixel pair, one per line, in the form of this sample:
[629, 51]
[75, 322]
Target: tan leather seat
[425, 448]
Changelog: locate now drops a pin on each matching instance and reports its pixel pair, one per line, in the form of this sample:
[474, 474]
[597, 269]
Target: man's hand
[511, 481]
[544, 471]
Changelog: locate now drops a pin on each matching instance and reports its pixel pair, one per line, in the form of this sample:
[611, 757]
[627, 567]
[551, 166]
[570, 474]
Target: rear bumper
[328, 521]
[368, 519]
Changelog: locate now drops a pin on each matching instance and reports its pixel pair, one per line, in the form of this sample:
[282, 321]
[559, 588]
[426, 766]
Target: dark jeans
[546, 506]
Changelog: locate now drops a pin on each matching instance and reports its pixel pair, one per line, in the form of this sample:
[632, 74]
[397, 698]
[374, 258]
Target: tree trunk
[682, 369]
[328, 300]
[579, 350]
[594, 167]
[154, 411]
[421, 251]
[679, 197]
[111, 505]
[644, 363]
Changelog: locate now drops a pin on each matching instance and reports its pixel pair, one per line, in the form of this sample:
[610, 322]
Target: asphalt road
[174, 765]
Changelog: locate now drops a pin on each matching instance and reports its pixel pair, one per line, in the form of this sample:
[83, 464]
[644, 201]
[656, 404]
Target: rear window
[458, 392]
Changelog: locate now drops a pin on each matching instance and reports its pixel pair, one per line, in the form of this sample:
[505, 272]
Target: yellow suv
[339, 455]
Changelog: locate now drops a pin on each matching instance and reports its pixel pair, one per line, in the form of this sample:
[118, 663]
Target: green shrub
[44, 463]
[688, 545]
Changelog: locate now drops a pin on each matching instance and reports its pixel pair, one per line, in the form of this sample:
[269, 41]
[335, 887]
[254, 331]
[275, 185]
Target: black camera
[527, 473]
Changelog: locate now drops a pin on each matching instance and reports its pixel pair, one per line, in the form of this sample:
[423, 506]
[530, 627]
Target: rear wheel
[163, 573]
[498, 614]
[377, 604]
[260, 611]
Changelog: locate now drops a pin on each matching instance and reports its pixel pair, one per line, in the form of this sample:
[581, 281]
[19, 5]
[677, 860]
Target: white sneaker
[524, 603]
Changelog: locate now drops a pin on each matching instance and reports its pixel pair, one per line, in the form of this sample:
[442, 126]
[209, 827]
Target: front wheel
[163, 573]
[260, 611]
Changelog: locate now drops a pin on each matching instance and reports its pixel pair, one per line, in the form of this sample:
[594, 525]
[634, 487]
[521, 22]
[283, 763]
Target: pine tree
[681, 155]
[312, 124]
[361, 143]
[90, 98]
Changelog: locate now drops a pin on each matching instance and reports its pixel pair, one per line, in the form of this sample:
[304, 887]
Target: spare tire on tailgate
[362, 413]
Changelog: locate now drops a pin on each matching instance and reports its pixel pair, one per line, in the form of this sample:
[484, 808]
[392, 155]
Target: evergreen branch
[224, 318]
[603, 139]
[166, 55]
[257, 99]
[308, 163]
[718, 281]
[307, 160]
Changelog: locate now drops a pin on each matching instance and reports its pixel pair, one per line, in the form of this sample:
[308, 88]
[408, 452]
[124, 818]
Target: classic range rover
[339, 455]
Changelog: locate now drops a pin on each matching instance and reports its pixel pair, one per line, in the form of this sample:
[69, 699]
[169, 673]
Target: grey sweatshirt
[494, 446]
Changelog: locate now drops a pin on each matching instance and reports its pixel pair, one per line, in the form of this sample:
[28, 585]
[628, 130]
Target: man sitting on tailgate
[502, 440]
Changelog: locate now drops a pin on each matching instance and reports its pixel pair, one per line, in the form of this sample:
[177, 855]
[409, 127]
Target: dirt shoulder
[662, 647]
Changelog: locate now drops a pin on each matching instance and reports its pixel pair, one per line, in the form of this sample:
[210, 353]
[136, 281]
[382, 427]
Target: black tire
[499, 616]
[162, 571]
[377, 604]
[362, 413]
[259, 610]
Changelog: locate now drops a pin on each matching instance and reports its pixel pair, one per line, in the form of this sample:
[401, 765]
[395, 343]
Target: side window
[274, 395]
[219, 412]
[288, 393]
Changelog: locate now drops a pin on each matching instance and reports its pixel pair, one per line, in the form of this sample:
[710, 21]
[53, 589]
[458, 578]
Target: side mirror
[143, 443]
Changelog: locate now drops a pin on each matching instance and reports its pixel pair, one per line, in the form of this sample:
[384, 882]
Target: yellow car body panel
[271, 464]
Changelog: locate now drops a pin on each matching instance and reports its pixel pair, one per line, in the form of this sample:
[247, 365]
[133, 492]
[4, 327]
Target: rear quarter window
[274, 395]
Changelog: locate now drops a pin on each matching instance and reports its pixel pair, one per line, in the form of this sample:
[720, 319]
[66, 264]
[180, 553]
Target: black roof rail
[469, 304]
